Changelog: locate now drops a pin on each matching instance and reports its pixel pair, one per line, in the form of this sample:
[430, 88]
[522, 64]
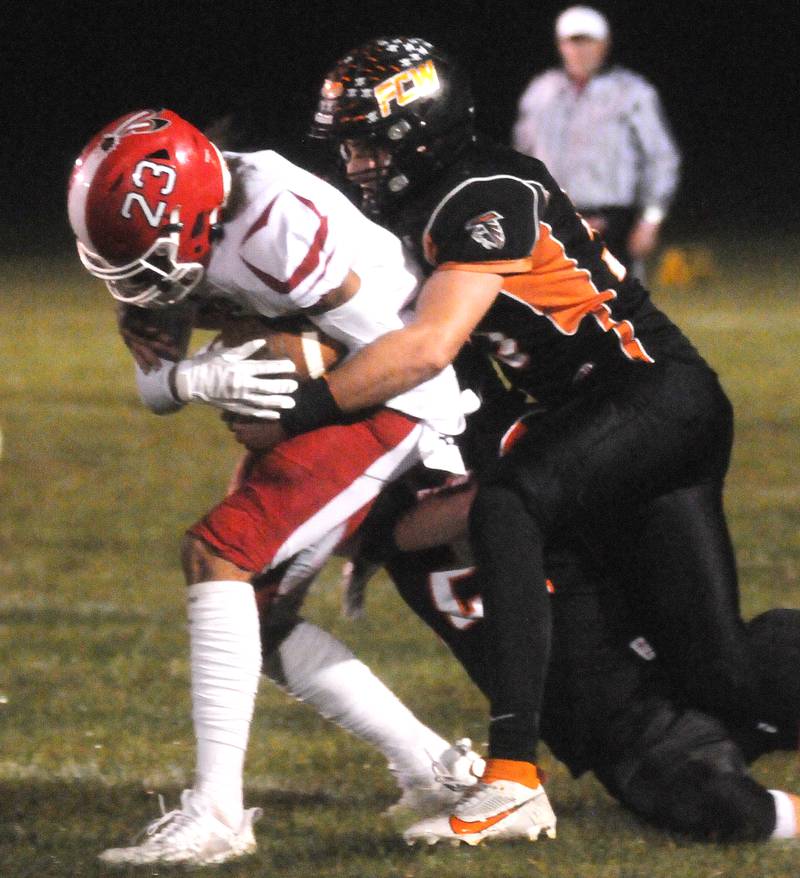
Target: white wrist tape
[154, 389]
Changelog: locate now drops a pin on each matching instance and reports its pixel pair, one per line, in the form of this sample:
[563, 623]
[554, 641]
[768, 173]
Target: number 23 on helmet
[143, 199]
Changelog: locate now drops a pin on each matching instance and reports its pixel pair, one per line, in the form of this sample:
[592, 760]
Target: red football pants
[306, 487]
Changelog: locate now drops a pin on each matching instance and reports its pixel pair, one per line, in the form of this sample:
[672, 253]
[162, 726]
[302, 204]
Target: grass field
[94, 704]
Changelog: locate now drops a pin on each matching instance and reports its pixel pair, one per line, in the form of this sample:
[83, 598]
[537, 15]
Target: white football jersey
[292, 239]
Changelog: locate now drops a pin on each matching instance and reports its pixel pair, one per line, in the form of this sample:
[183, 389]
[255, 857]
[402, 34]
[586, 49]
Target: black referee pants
[615, 225]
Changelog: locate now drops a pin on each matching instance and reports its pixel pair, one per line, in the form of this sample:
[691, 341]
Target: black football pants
[610, 706]
[635, 460]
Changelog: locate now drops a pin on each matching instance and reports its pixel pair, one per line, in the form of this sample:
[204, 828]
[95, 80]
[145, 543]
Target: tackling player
[638, 430]
[169, 223]
[611, 705]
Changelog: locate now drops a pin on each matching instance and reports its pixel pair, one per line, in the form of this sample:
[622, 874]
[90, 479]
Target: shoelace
[179, 820]
[483, 795]
[441, 775]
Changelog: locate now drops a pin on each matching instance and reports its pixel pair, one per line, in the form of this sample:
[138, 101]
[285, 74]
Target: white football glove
[226, 378]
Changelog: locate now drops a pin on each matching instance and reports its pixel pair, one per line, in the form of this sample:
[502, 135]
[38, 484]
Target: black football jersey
[567, 307]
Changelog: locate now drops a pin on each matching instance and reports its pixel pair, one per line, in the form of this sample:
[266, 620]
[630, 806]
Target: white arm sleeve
[154, 389]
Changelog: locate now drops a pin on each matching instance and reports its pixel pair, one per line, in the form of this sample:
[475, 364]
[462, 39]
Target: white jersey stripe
[364, 489]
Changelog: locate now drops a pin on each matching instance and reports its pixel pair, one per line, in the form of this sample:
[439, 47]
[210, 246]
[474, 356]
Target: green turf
[94, 715]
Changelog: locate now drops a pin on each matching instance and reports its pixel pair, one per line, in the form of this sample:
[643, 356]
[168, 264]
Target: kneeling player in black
[638, 430]
[611, 705]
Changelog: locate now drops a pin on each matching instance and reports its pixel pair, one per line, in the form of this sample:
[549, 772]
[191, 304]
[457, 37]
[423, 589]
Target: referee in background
[601, 131]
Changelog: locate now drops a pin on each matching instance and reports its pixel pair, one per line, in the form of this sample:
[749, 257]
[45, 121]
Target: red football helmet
[143, 197]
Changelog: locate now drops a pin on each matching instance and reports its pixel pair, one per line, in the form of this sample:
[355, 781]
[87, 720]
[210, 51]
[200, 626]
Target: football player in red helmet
[147, 202]
[144, 198]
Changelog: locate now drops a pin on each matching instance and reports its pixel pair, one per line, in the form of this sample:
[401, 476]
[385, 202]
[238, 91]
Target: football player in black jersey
[635, 444]
[610, 704]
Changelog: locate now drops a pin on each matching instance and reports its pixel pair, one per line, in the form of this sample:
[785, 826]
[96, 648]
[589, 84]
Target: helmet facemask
[410, 161]
[370, 165]
[157, 278]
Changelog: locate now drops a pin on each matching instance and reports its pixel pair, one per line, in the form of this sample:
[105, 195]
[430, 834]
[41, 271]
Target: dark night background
[727, 74]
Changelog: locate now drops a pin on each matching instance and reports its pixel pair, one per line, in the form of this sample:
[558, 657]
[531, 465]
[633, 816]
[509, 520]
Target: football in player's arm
[172, 225]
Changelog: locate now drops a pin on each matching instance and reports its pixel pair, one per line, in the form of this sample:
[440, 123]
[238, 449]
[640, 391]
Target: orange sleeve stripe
[624, 331]
[501, 266]
[555, 286]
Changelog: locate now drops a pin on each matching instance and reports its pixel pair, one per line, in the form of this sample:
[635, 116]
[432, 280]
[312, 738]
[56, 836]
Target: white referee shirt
[607, 144]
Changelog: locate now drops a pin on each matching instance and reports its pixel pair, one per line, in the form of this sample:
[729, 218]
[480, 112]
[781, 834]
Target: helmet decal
[152, 215]
[407, 86]
[144, 122]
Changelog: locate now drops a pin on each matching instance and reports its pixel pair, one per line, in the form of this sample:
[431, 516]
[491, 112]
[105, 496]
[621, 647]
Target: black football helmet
[405, 96]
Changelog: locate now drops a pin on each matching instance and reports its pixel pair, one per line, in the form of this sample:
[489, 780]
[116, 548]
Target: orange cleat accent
[463, 827]
[515, 770]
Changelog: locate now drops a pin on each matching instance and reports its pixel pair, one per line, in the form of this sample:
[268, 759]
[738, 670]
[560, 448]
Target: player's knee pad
[499, 508]
[531, 484]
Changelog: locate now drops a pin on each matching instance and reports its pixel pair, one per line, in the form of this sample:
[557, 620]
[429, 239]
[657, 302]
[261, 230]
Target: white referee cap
[581, 21]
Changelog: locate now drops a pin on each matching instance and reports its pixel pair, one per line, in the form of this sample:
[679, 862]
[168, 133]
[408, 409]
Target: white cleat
[456, 769]
[191, 836]
[500, 809]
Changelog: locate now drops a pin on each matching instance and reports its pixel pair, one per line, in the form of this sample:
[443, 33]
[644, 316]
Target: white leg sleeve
[786, 814]
[321, 671]
[225, 667]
